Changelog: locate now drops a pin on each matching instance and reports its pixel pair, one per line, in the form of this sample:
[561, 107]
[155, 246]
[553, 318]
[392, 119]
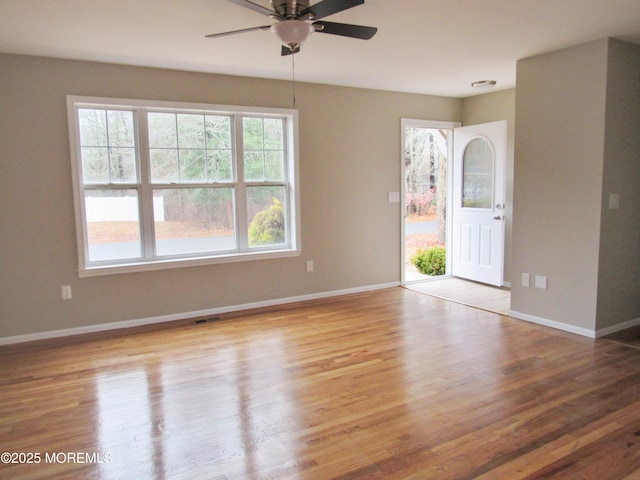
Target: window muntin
[158, 182]
[264, 149]
[186, 147]
[107, 146]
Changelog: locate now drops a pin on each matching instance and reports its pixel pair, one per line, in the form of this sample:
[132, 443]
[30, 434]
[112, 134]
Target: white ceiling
[423, 46]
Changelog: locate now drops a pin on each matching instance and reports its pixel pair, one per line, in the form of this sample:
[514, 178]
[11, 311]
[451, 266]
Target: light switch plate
[614, 201]
[394, 197]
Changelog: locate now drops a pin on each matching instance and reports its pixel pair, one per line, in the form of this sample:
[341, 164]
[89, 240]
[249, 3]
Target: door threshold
[426, 278]
[466, 292]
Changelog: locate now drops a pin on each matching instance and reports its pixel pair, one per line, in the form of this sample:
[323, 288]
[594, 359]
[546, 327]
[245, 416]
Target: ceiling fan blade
[233, 32]
[329, 7]
[255, 7]
[287, 51]
[346, 30]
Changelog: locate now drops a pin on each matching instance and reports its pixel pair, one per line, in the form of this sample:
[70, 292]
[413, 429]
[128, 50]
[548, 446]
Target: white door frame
[409, 122]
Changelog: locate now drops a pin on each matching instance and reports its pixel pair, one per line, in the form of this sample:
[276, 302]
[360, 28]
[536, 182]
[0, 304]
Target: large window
[161, 184]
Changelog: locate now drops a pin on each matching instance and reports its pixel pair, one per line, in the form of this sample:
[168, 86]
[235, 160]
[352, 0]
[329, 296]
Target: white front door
[479, 161]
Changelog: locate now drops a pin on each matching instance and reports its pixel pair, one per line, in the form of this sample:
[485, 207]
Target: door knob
[497, 217]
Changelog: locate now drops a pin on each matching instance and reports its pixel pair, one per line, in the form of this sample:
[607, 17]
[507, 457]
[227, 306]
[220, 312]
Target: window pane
[254, 165]
[273, 138]
[122, 163]
[95, 164]
[93, 127]
[219, 167]
[193, 220]
[192, 165]
[274, 165]
[266, 214]
[162, 130]
[164, 165]
[252, 133]
[190, 131]
[219, 153]
[477, 172]
[113, 224]
[120, 128]
[218, 132]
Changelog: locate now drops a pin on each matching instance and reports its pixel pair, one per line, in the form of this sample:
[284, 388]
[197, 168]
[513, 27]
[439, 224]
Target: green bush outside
[267, 227]
[430, 261]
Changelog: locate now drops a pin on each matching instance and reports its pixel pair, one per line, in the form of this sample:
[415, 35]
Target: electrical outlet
[541, 282]
[525, 280]
[309, 266]
[65, 292]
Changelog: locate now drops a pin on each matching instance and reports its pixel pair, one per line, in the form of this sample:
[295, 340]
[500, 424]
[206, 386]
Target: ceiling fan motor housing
[289, 8]
[297, 19]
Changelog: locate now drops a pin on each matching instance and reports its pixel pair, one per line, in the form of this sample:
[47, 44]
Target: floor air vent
[200, 321]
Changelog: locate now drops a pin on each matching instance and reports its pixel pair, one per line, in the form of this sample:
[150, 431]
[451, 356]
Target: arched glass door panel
[478, 174]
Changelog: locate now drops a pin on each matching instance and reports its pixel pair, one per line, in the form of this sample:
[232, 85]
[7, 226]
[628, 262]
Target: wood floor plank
[392, 384]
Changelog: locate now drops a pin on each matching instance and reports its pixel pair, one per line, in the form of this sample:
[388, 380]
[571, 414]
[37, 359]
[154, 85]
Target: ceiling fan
[297, 19]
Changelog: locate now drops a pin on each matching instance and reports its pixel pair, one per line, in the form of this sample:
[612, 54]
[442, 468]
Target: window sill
[182, 263]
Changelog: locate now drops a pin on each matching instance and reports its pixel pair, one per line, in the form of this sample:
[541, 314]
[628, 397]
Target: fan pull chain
[293, 74]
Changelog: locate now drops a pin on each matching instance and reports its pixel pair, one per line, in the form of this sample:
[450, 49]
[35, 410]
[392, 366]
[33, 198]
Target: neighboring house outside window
[162, 185]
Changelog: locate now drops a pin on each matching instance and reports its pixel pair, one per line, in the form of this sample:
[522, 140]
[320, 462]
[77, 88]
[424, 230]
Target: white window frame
[242, 253]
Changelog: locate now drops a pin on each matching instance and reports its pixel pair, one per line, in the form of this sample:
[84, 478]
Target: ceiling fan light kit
[292, 33]
[297, 19]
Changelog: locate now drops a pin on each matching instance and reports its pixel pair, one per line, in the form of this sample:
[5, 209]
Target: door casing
[407, 122]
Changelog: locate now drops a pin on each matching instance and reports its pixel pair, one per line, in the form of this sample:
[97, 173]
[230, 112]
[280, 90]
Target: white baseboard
[602, 332]
[585, 332]
[103, 327]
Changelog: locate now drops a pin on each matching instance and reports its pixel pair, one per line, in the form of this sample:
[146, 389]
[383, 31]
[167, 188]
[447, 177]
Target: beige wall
[619, 261]
[349, 144]
[576, 142]
[492, 107]
[574, 115]
[560, 106]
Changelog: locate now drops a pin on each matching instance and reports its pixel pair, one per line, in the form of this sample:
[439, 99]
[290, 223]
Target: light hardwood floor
[392, 384]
